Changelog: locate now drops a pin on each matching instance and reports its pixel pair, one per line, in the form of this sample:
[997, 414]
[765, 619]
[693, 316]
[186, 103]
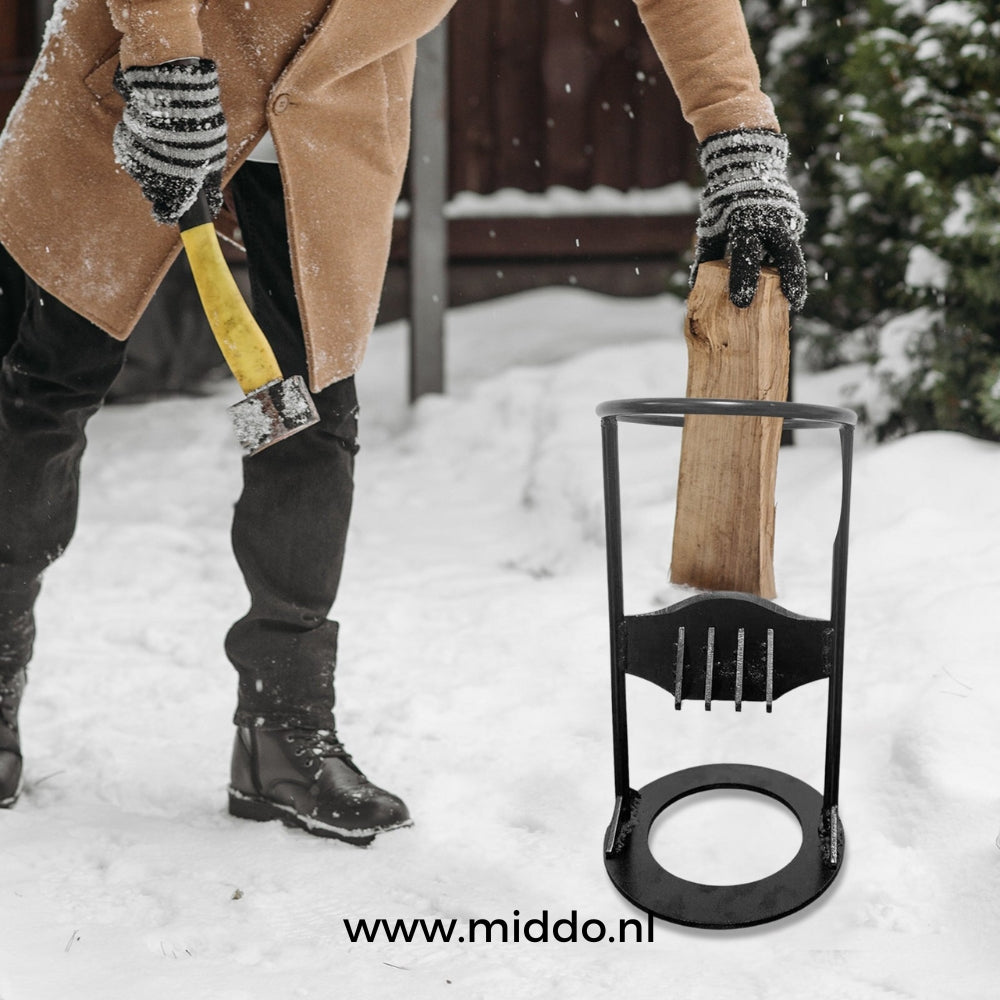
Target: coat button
[281, 103]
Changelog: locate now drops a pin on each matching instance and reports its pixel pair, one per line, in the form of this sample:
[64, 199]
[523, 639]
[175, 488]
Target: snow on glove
[172, 136]
[748, 204]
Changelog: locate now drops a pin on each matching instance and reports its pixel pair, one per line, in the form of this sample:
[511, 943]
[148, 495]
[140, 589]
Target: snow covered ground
[473, 681]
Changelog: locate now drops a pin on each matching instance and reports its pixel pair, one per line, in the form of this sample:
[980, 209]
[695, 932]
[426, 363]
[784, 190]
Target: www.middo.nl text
[502, 930]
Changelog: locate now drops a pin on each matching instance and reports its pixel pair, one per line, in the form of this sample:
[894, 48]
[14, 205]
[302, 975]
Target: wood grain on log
[724, 529]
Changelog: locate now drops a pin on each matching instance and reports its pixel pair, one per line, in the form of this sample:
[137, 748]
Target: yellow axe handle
[240, 339]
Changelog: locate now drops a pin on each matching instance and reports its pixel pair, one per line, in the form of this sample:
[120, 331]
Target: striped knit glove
[172, 136]
[749, 205]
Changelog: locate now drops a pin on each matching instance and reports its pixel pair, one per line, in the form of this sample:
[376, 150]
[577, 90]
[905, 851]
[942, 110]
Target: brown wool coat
[332, 81]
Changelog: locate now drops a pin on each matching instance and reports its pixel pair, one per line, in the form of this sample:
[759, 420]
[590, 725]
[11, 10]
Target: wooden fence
[547, 93]
[550, 92]
[18, 39]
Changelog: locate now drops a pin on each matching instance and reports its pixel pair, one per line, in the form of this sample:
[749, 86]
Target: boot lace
[318, 744]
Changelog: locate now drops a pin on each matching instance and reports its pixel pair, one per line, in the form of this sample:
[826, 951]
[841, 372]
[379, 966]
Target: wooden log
[724, 529]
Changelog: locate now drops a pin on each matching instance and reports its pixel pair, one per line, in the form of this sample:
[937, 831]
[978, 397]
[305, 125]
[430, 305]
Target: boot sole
[11, 800]
[261, 810]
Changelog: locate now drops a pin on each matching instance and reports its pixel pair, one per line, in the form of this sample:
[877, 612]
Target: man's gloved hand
[749, 205]
[172, 136]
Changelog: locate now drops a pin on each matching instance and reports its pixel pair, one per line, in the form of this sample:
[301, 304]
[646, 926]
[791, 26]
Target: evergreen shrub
[893, 110]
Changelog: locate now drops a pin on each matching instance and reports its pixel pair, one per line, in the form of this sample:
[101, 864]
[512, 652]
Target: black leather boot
[10, 745]
[306, 778]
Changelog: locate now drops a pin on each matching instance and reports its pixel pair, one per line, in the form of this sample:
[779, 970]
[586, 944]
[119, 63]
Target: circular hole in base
[725, 836]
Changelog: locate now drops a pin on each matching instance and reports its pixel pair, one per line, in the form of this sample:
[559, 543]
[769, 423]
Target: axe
[274, 407]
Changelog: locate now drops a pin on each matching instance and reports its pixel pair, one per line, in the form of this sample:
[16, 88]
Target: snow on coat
[332, 82]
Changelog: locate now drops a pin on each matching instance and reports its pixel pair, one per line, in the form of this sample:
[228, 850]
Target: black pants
[289, 525]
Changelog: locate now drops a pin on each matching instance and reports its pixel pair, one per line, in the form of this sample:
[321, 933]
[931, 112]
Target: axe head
[272, 413]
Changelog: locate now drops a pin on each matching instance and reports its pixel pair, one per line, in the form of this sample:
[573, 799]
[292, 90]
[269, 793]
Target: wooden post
[724, 530]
